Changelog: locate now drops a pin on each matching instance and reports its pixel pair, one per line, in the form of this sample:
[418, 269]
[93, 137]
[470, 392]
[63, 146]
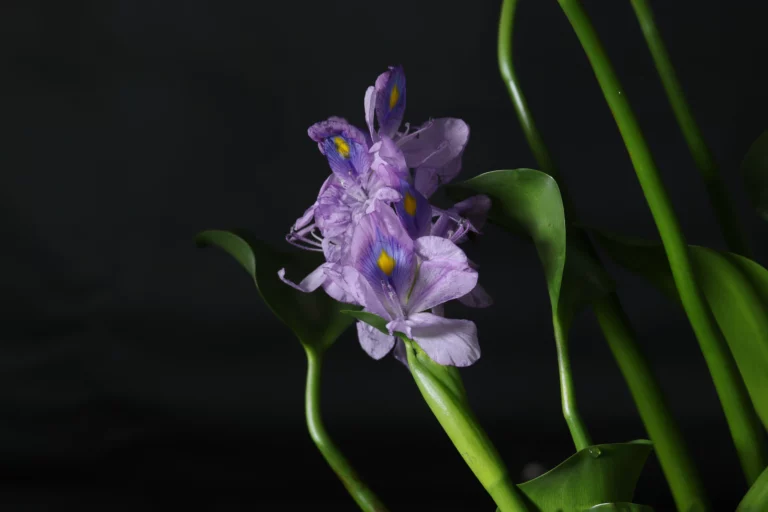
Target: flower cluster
[386, 247]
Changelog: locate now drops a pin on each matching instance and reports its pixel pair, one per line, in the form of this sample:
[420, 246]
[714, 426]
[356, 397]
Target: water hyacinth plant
[374, 250]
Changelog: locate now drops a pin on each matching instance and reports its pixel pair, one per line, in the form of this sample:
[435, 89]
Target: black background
[139, 373]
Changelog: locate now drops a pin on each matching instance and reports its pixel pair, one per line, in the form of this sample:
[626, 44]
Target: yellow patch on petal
[341, 146]
[394, 96]
[386, 263]
[409, 203]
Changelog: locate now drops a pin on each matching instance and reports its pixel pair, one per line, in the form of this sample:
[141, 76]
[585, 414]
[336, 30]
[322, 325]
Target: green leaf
[736, 288]
[756, 499]
[528, 202]
[620, 507]
[600, 474]
[315, 318]
[754, 168]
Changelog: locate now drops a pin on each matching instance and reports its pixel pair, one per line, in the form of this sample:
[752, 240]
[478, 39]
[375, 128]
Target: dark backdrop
[139, 373]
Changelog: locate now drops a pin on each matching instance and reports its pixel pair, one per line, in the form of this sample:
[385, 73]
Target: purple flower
[353, 190]
[400, 279]
[433, 150]
[345, 146]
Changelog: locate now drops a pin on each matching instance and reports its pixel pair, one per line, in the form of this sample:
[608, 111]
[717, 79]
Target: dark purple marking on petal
[390, 100]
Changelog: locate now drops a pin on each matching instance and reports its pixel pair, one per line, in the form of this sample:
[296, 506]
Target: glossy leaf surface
[528, 202]
[620, 507]
[756, 499]
[315, 318]
[600, 474]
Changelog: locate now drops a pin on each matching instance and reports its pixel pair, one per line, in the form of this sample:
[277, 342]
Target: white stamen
[408, 136]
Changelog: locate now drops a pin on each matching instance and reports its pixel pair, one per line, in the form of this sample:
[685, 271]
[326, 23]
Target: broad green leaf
[528, 202]
[736, 289]
[620, 507]
[598, 475]
[755, 171]
[315, 318]
[756, 499]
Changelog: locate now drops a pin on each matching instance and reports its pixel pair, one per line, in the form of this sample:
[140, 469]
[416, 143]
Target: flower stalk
[357, 489]
[747, 433]
[733, 233]
[442, 389]
[669, 445]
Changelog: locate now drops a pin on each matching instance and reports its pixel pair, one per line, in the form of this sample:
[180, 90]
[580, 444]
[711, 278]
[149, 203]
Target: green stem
[718, 194]
[363, 496]
[756, 498]
[532, 135]
[576, 425]
[743, 422]
[572, 417]
[668, 442]
[676, 462]
[443, 390]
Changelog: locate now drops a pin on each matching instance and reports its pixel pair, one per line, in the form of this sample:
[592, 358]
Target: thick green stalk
[733, 233]
[745, 427]
[576, 425]
[363, 496]
[443, 390]
[669, 444]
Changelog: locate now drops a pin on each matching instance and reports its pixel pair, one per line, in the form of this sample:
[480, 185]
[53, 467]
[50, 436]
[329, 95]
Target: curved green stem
[733, 233]
[675, 459]
[532, 135]
[743, 422]
[568, 396]
[572, 417]
[363, 496]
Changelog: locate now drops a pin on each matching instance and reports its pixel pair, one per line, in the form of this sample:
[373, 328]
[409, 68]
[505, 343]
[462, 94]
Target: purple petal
[442, 224]
[384, 195]
[374, 342]
[389, 160]
[475, 209]
[414, 211]
[312, 282]
[348, 159]
[477, 298]
[444, 274]
[345, 146]
[450, 170]
[399, 352]
[315, 280]
[318, 132]
[382, 222]
[357, 287]
[436, 144]
[447, 341]
[305, 219]
[390, 100]
[426, 180]
[370, 110]
[383, 252]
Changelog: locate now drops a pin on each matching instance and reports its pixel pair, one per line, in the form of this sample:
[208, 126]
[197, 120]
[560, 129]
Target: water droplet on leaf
[594, 451]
